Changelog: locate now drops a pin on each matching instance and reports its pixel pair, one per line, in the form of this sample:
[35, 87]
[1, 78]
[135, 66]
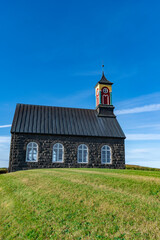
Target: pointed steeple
[104, 80]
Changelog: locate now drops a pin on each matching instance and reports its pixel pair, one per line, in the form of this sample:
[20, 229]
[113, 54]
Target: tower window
[105, 154]
[58, 152]
[32, 152]
[82, 153]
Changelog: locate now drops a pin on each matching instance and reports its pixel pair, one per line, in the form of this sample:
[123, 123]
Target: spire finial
[102, 69]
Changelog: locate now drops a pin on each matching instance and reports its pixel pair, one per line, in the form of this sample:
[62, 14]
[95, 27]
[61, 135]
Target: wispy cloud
[144, 136]
[5, 126]
[146, 108]
[139, 150]
[5, 139]
[143, 100]
[4, 150]
[155, 126]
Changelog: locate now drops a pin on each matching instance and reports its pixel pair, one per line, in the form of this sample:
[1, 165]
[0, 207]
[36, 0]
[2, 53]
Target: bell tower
[103, 92]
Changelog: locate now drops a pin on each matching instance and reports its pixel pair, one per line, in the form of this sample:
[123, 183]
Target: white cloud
[4, 150]
[5, 126]
[139, 150]
[146, 108]
[5, 139]
[152, 98]
[143, 136]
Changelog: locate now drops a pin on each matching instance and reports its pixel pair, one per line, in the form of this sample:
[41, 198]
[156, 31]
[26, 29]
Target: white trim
[32, 148]
[106, 151]
[83, 145]
[57, 157]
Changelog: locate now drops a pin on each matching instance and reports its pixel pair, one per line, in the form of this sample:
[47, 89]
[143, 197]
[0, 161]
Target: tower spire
[102, 69]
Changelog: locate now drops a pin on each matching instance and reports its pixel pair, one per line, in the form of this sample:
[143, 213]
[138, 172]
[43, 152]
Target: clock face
[105, 90]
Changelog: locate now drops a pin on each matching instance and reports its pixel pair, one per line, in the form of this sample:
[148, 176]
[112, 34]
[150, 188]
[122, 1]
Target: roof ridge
[54, 106]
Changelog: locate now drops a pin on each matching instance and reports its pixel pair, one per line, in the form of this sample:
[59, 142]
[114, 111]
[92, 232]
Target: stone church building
[54, 137]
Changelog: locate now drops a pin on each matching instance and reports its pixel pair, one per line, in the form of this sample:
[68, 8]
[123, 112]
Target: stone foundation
[45, 149]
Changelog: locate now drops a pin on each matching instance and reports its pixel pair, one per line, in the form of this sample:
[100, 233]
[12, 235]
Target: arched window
[58, 152]
[82, 153]
[32, 152]
[105, 154]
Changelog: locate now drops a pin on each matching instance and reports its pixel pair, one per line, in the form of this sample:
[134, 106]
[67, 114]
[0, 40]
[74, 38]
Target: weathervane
[102, 69]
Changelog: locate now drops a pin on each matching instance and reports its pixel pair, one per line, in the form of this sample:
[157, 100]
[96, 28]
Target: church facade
[54, 137]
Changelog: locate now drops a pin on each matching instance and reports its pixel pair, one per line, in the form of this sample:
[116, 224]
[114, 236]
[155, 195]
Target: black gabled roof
[104, 80]
[63, 121]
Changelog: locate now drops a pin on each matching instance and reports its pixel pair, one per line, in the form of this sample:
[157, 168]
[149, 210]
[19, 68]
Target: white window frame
[30, 146]
[106, 149]
[58, 148]
[84, 146]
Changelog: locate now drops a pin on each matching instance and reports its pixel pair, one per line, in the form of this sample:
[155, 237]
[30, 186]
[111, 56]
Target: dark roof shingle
[64, 121]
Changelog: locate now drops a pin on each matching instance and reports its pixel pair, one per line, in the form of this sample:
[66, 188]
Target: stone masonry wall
[45, 149]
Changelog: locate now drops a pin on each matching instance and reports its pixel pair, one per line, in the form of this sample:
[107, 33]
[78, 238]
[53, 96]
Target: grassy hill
[80, 204]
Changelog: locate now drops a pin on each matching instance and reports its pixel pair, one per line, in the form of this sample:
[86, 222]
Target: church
[60, 137]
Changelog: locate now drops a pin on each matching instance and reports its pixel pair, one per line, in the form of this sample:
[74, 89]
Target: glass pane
[103, 158]
[108, 157]
[34, 154]
[35, 145]
[80, 147]
[85, 156]
[55, 155]
[84, 146]
[29, 145]
[29, 155]
[60, 156]
[34, 157]
[55, 145]
[60, 146]
[80, 156]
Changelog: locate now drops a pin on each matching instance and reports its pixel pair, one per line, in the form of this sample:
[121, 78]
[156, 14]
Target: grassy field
[80, 204]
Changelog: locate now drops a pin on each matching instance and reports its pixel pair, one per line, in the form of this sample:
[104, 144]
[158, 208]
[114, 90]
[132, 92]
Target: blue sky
[51, 53]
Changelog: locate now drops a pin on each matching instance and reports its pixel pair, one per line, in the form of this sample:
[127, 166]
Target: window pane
[55, 155]
[60, 156]
[60, 146]
[29, 155]
[85, 156]
[80, 147]
[80, 156]
[35, 145]
[34, 155]
[84, 147]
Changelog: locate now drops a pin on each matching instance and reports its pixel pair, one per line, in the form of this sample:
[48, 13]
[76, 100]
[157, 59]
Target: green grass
[137, 167]
[80, 204]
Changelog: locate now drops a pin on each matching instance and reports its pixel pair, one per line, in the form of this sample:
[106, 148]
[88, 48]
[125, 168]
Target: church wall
[45, 149]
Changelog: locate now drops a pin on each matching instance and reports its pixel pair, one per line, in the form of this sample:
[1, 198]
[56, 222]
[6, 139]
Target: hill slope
[80, 204]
